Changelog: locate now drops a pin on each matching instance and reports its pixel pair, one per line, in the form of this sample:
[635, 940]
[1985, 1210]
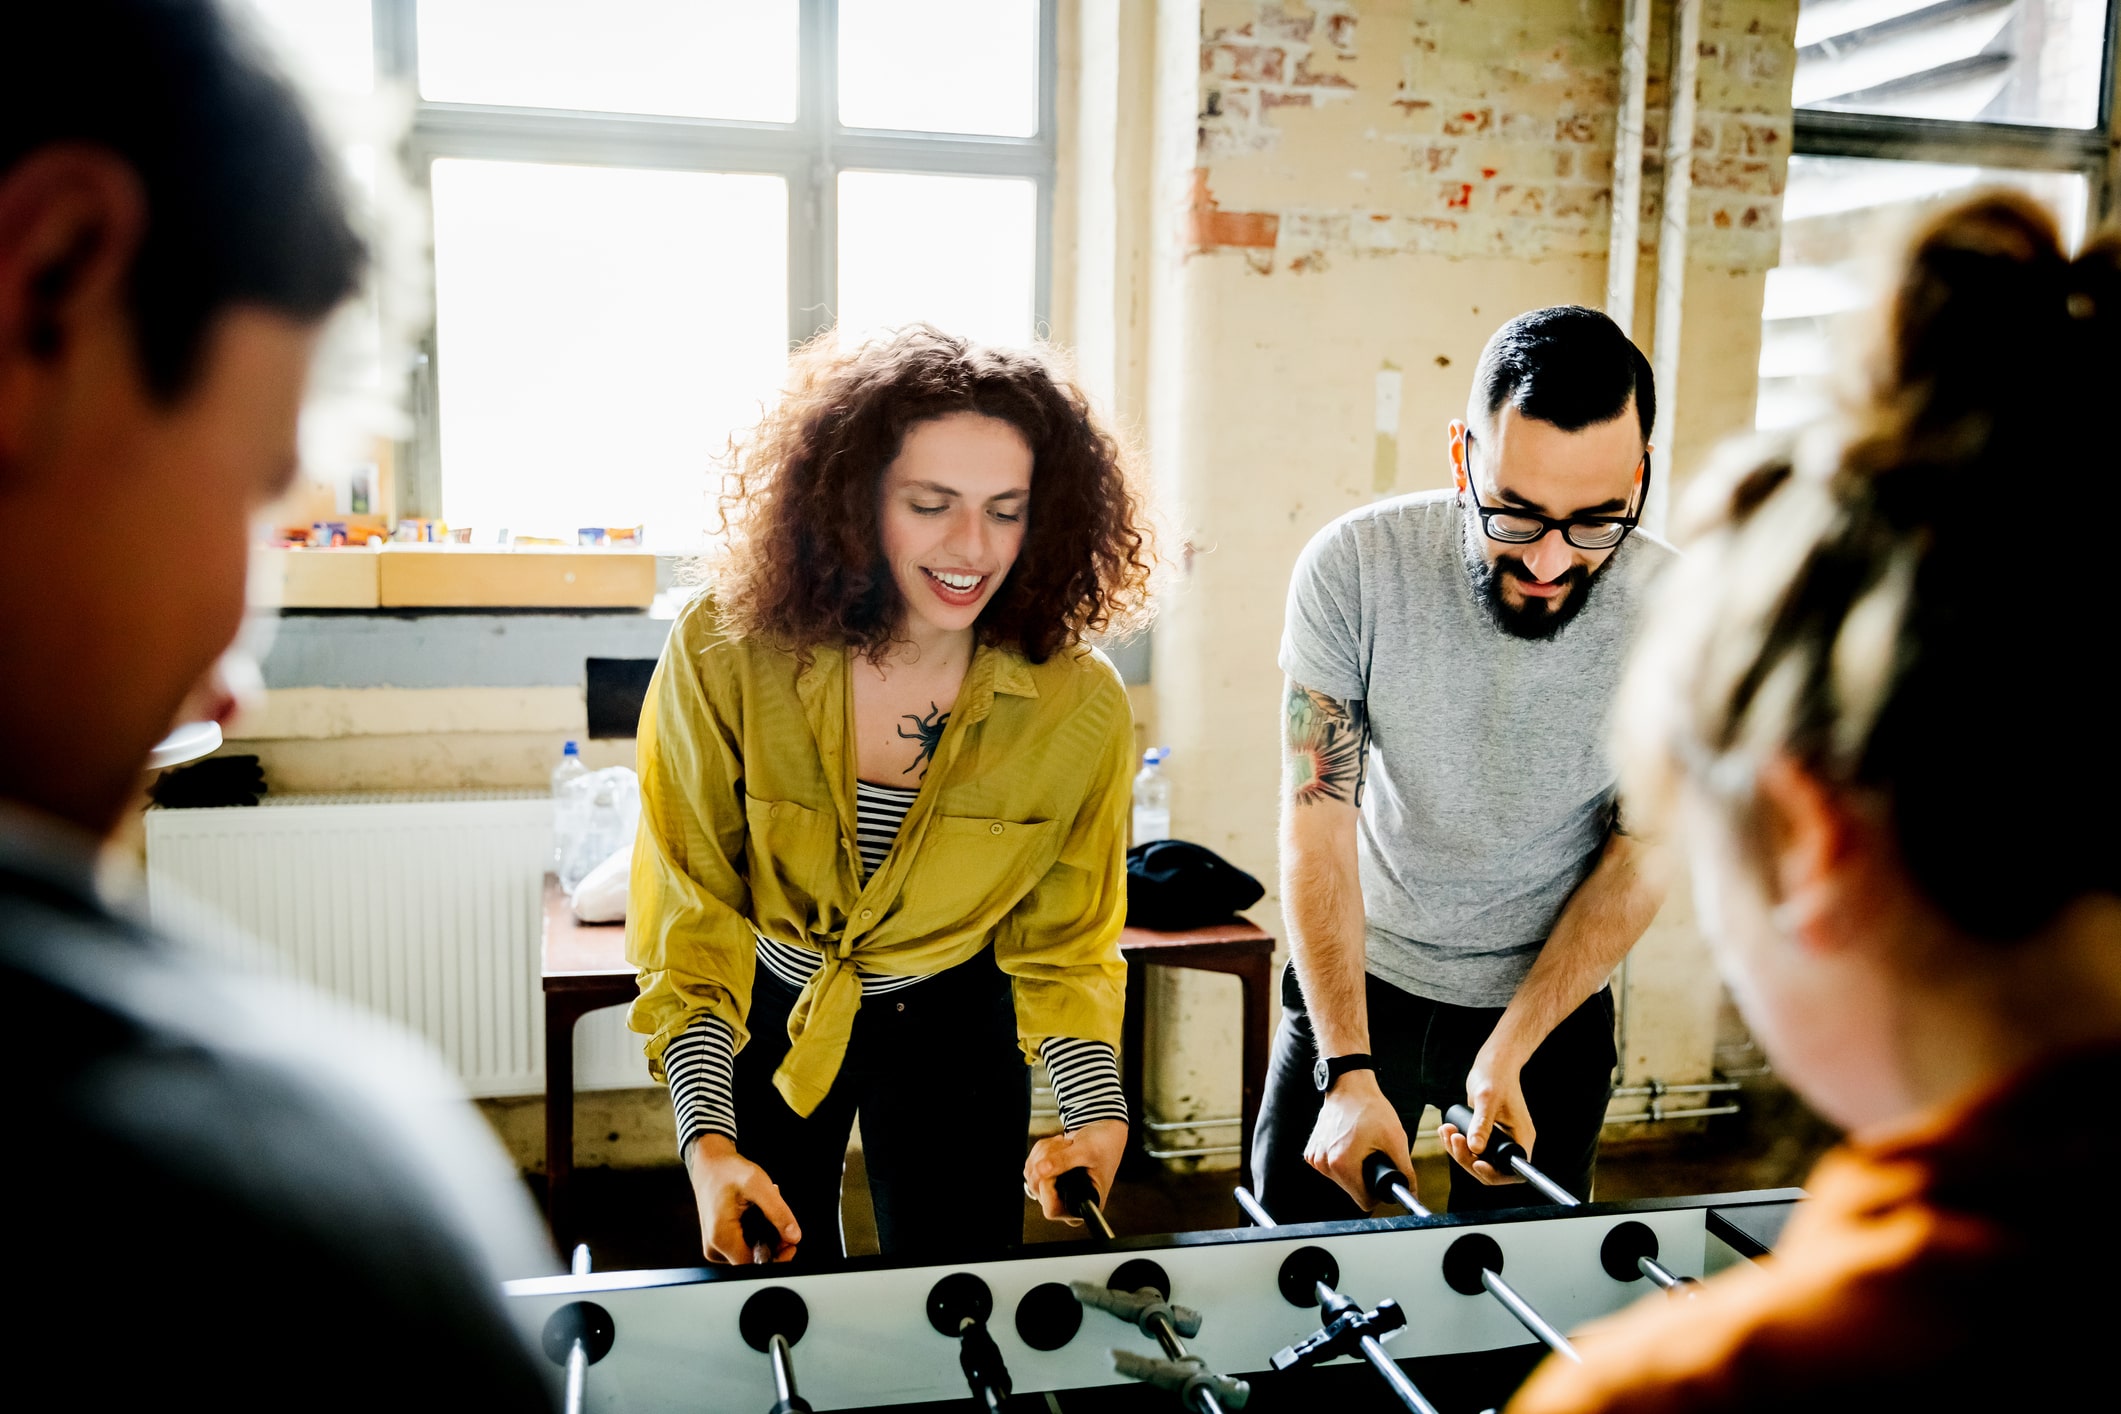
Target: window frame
[2019, 146]
[808, 153]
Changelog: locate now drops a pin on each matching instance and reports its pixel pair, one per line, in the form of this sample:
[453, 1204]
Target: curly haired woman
[884, 788]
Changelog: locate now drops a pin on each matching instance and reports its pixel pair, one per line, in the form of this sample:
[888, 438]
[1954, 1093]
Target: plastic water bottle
[603, 830]
[568, 807]
[1152, 797]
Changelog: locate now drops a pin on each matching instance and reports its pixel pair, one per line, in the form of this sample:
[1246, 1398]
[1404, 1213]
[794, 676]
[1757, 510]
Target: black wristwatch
[1325, 1071]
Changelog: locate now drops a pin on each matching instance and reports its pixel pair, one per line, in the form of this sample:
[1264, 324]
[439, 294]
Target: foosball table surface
[675, 1341]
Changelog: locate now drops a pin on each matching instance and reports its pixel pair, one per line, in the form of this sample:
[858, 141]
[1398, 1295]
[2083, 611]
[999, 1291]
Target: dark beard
[1534, 619]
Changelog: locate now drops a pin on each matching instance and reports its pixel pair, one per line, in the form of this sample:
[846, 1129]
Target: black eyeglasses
[1512, 526]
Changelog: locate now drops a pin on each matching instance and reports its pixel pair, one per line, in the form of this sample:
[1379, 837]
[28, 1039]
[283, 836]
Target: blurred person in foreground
[214, 1180]
[1860, 702]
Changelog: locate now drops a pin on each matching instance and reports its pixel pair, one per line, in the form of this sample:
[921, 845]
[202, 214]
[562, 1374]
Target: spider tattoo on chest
[928, 731]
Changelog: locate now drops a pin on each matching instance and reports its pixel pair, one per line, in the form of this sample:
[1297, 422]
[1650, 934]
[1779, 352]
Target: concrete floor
[644, 1217]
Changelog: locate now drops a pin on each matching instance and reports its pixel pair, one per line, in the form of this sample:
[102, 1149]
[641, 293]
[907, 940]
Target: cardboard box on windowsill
[403, 576]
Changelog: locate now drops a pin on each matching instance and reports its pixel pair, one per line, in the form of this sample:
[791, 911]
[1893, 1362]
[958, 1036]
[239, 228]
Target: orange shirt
[1966, 1261]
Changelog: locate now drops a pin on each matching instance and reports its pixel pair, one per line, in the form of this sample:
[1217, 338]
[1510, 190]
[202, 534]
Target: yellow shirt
[1018, 838]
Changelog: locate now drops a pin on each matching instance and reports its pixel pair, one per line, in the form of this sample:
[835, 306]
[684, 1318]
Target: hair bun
[1985, 290]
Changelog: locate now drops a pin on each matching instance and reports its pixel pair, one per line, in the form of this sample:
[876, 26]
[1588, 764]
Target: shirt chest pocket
[971, 871]
[793, 860]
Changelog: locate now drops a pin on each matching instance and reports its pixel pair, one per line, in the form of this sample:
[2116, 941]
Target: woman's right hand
[727, 1185]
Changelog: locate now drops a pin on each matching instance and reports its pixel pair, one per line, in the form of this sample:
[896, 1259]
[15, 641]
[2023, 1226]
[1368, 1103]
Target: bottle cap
[570, 750]
[1155, 755]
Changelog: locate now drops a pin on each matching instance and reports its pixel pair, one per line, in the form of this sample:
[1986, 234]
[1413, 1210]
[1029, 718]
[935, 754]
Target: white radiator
[423, 907]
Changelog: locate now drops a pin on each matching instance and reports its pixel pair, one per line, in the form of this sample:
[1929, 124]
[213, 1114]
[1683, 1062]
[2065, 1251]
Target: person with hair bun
[1862, 703]
[885, 788]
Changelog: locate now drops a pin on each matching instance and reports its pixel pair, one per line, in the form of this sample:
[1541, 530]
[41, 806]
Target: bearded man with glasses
[1457, 880]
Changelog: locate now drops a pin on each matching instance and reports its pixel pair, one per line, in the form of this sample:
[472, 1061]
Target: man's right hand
[1355, 1122]
[726, 1185]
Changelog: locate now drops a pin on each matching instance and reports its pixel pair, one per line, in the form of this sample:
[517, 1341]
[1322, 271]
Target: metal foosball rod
[772, 1322]
[1077, 1192]
[959, 1306]
[1473, 1258]
[1139, 1294]
[1505, 1153]
[1350, 1329]
[578, 1335]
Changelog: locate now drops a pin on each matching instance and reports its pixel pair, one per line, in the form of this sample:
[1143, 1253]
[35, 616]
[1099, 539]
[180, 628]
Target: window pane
[601, 332]
[1999, 61]
[679, 58]
[940, 66]
[957, 252]
[1835, 213]
[327, 42]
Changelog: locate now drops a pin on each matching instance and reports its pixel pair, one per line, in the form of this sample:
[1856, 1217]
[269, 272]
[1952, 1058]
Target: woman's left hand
[1098, 1146]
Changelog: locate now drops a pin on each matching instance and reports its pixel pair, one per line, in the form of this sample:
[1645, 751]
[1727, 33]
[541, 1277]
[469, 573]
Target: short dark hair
[1567, 365]
[244, 201]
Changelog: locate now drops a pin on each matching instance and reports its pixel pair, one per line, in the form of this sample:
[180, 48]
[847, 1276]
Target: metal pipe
[1193, 1153]
[1658, 1087]
[578, 1352]
[1650, 1267]
[1175, 1349]
[1672, 240]
[1530, 1319]
[1373, 1349]
[1166, 1126]
[1498, 1288]
[1407, 1200]
[1623, 246]
[1657, 1114]
[1555, 1192]
[1380, 1359]
[577, 1377]
[783, 1371]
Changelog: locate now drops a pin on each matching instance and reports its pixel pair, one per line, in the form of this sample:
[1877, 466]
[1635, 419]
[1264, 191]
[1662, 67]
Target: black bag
[1172, 884]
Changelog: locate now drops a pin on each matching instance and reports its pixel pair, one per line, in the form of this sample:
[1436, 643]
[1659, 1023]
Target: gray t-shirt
[1490, 789]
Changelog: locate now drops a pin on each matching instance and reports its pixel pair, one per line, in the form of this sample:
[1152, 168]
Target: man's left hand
[1495, 1094]
[1097, 1146]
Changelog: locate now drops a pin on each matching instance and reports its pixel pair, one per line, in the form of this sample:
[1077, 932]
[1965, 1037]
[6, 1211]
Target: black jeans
[944, 1097]
[1423, 1051]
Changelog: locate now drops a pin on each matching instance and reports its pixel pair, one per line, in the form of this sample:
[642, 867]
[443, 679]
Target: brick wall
[1472, 128]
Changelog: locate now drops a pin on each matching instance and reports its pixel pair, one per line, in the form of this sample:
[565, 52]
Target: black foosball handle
[761, 1235]
[1509, 1156]
[1077, 1192]
[1387, 1183]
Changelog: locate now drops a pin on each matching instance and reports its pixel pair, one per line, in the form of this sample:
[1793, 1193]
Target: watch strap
[1337, 1066]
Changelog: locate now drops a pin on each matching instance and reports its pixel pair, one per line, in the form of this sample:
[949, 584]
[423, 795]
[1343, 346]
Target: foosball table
[1425, 1312]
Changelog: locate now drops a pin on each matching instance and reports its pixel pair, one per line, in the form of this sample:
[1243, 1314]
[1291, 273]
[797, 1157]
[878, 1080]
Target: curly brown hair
[803, 562]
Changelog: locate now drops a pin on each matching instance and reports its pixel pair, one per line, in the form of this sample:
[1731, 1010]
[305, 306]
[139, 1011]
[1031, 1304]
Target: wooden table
[1238, 947]
[585, 970]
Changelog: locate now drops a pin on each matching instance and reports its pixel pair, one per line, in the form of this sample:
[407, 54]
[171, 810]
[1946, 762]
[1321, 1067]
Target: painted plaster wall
[1373, 188]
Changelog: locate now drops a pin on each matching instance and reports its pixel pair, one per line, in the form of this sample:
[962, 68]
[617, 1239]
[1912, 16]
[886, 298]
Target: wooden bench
[585, 970]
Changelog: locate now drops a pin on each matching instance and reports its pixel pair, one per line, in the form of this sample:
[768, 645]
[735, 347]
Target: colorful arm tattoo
[1325, 746]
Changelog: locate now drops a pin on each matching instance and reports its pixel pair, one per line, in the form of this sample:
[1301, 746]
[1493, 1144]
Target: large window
[1902, 104]
[639, 206]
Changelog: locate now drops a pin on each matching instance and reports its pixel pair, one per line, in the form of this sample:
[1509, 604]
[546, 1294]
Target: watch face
[1320, 1076]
